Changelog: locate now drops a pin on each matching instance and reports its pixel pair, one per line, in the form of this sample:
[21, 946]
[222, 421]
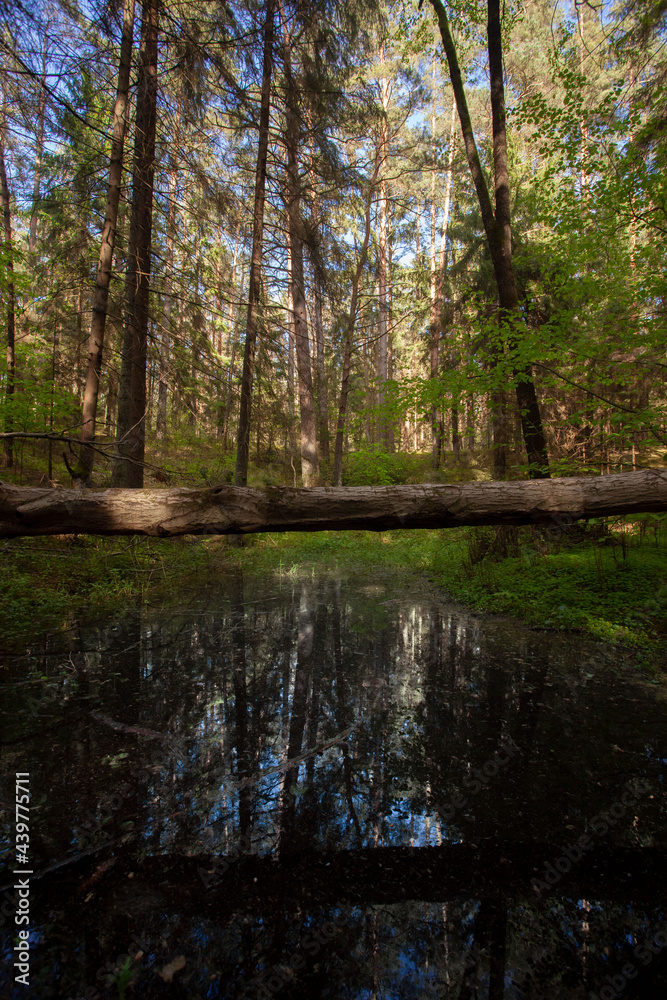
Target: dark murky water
[341, 789]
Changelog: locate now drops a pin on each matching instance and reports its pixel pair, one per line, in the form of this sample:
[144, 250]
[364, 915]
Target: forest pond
[318, 786]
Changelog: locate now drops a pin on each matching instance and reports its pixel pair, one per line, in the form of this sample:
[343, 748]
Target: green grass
[589, 582]
[608, 582]
[49, 583]
[587, 588]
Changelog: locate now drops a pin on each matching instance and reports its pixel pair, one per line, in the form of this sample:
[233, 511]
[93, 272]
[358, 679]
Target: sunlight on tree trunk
[105, 260]
[254, 281]
[498, 230]
[131, 433]
[309, 459]
[10, 313]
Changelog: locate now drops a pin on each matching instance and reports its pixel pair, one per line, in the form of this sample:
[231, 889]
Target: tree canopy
[331, 243]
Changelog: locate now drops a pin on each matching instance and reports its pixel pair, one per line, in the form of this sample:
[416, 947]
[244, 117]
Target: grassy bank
[49, 583]
[607, 580]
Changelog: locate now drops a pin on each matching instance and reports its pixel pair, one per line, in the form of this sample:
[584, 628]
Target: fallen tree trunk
[214, 885]
[223, 510]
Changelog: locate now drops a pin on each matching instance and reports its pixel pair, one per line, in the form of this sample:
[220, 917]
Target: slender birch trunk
[233, 311]
[39, 146]
[456, 441]
[291, 363]
[531, 418]
[232, 359]
[584, 188]
[196, 340]
[349, 330]
[320, 378]
[309, 460]
[448, 206]
[434, 313]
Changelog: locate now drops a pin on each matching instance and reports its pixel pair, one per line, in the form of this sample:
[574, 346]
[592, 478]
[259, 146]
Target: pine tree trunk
[105, 259]
[10, 378]
[131, 433]
[39, 145]
[167, 298]
[497, 226]
[243, 434]
[435, 313]
[349, 331]
[383, 372]
[309, 459]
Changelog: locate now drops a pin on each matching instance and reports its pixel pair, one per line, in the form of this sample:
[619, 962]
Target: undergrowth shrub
[371, 467]
[493, 542]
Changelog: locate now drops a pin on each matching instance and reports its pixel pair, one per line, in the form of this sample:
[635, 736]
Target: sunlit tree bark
[386, 435]
[309, 458]
[131, 432]
[105, 259]
[497, 225]
[232, 509]
[254, 282]
[7, 247]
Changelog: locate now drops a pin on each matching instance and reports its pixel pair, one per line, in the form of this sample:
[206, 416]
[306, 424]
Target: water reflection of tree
[251, 684]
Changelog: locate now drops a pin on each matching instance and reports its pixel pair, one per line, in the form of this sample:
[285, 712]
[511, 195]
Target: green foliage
[607, 581]
[38, 403]
[15, 256]
[48, 583]
[374, 467]
[123, 978]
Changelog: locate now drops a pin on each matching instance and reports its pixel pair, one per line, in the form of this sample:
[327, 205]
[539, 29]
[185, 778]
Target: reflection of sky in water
[337, 717]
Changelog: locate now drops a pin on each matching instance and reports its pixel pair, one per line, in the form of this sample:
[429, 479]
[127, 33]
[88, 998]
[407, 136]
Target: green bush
[371, 467]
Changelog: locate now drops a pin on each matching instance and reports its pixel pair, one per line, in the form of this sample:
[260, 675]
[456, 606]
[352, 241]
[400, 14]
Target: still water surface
[341, 788]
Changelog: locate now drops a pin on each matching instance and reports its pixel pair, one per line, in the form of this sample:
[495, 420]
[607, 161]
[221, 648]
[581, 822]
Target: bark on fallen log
[223, 510]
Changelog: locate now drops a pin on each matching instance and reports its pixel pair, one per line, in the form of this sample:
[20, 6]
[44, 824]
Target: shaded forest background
[211, 326]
